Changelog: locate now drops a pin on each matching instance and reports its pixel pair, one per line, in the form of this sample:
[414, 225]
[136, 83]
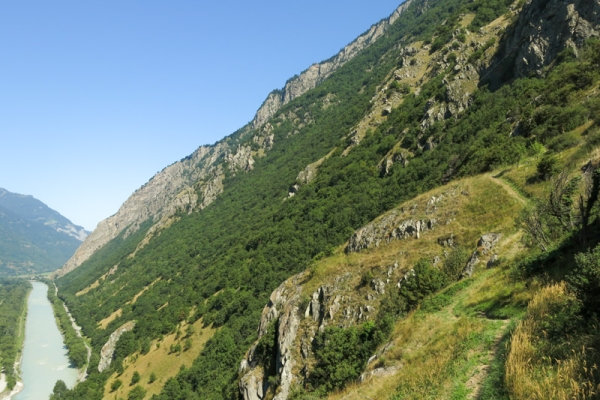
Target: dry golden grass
[104, 323]
[97, 282]
[116, 314]
[529, 376]
[87, 289]
[441, 353]
[438, 352]
[490, 206]
[159, 361]
[467, 19]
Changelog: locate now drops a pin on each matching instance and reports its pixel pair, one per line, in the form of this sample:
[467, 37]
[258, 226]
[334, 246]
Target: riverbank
[16, 390]
[71, 333]
[15, 295]
[44, 359]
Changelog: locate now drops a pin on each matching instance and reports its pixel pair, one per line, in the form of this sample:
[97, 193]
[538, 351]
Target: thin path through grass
[509, 189]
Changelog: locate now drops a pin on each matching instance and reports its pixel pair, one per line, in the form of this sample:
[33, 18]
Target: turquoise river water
[44, 353]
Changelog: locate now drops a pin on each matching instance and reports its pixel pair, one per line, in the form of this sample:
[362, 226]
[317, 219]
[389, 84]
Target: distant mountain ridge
[33, 237]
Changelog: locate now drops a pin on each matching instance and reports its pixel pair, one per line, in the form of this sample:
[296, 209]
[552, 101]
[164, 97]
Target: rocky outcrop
[308, 174]
[317, 73]
[386, 229]
[283, 305]
[544, 28]
[484, 246]
[108, 349]
[401, 223]
[187, 185]
[379, 372]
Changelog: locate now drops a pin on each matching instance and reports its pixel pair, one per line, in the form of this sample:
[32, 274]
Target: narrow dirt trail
[475, 383]
[509, 189]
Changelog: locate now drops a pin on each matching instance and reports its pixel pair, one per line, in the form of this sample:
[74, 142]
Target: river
[45, 357]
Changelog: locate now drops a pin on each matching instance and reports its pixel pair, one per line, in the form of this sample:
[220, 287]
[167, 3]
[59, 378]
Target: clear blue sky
[98, 96]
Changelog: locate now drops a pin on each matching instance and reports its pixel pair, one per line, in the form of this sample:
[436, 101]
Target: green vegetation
[29, 242]
[13, 308]
[220, 265]
[60, 390]
[75, 344]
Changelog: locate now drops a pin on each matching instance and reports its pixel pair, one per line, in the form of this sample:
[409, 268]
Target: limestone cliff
[187, 185]
[544, 28]
[317, 73]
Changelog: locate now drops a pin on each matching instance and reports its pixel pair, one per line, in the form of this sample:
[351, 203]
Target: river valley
[45, 357]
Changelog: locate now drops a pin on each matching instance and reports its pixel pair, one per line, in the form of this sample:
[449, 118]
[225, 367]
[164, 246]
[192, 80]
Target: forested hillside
[33, 237]
[334, 179]
[13, 308]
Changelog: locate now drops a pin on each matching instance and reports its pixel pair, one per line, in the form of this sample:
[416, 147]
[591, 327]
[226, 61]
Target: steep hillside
[33, 237]
[346, 208]
[175, 188]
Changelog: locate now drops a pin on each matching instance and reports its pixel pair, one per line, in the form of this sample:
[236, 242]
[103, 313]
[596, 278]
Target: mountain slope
[33, 237]
[404, 116]
[173, 189]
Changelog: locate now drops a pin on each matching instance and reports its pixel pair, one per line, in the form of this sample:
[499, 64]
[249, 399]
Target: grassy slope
[459, 351]
[440, 351]
[160, 360]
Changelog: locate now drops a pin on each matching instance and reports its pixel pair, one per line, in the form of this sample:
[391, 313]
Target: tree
[548, 166]
[135, 378]
[137, 393]
[59, 391]
[116, 385]
[455, 263]
[152, 378]
[532, 222]
[560, 202]
[585, 279]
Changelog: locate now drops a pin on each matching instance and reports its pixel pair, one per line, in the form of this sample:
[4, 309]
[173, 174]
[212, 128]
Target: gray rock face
[317, 73]
[484, 245]
[251, 388]
[544, 28]
[379, 372]
[487, 241]
[108, 349]
[387, 229]
[446, 241]
[283, 304]
[172, 190]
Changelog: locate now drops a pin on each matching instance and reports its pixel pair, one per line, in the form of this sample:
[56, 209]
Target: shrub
[138, 393]
[427, 280]
[116, 385]
[455, 263]
[563, 142]
[341, 355]
[548, 166]
[585, 279]
[135, 378]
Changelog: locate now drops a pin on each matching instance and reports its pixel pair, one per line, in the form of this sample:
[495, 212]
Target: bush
[341, 355]
[548, 166]
[427, 280]
[585, 279]
[563, 142]
[138, 393]
[116, 385]
[135, 378]
[455, 263]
